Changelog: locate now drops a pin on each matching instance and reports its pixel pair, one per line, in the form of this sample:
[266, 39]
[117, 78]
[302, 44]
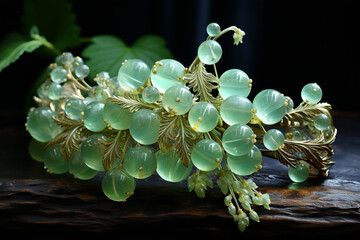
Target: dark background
[287, 43]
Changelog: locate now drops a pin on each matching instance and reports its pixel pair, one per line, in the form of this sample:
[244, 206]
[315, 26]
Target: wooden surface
[35, 202]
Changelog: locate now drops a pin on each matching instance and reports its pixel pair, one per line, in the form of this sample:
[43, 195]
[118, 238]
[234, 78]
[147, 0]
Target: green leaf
[54, 19]
[106, 53]
[14, 45]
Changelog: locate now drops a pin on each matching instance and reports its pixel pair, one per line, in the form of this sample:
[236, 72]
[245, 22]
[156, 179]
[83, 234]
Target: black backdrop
[287, 43]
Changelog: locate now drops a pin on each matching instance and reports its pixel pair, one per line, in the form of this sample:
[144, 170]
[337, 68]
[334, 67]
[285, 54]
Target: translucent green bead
[273, 139]
[150, 94]
[82, 71]
[311, 93]
[170, 167]
[92, 152]
[167, 73]
[43, 89]
[54, 159]
[116, 116]
[238, 139]
[102, 93]
[58, 75]
[177, 99]
[102, 79]
[203, 117]
[78, 168]
[74, 108]
[145, 126]
[36, 150]
[289, 104]
[245, 164]
[209, 52]
[133, 74]
[66, 58]
[206, 155]
[234, 82]
[140, 162]
[55, 91]
[298, 174]
[322, 121]
[270, 106]
[41, 125]
[296, 134]
[93, 116]
[213, 29]
[236, 109]
[117, 185]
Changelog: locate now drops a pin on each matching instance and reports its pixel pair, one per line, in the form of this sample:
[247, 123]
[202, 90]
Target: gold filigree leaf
[132, 101]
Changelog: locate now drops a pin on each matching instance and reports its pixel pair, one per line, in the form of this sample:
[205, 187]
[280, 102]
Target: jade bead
[270, 106]
[78, 168]
[93, 116]
[58, 75]
[54, 159]
[236, 109]
[145, 126]
[209, 52]
[289, 104]
[41, 125]
[102, 93]
[234, 82]
[167, 73]
[74, 108]
[311, 93]
[150, 94]
[82, 71]
[116, 116]
[321, 121]
[245, 164]
[92, 152]
[170, 167]
[43, 89]
[117, 185]
[298, 174]
[36, 150]
[206, 155]
[273, 139]
[55, 91]
[133, 74]
[177, 99]
[238, 139]
[102, 79]
[203, 117]
[296, 134]
[213, 29]
[140, 162]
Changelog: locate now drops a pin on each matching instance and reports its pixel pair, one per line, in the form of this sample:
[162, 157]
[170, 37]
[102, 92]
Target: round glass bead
[236, 109]
[296, 134]
[150, 94]
[36, 150]
[145, 126]
[78, 168]
[54, 159]
[43, 89]
[170, 167]
[93, 116]
[167, 73]
[209, 52]
[245, 164]
[58, 75]
[298, 174]
[203, 117]
[41, 125]
[117, 185]
[102, 93]
[238, 139]
[311, 93]
[102, 78]
[133, 74]
[140, 162]
[76, 62]
[213, 29]
[55, 91]
[92, 152]
[270, 106]
[321, 121]
[289, 104]
[234, 82]
[273, 139]
[82, 71]
[66, 58]
[177, 99]
[116, 116]
[74, 108]
[206, 155]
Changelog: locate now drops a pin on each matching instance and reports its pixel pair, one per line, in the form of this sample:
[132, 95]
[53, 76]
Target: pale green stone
[322, 121]
[41, 125]
[54, 159]
[270, 106]
[298, 174]
[289, 104]
[150, 94]
[177, 99]
[92, 152]
[236, 109]
[273, 139]
[145, 126]
[102, 93]
[74, 108]
[296, 134]
[78, 168]
[117, 185]
[55, 91]
[140, 162]
[36, 150]
[238, 139]
[93, 116]
[209, 52]
[133, 74]
[311, 93]
[167, 73]
[234, 82]
[203, 117]
[213, 29]
[58, 75]
[82, 71]
[206, 155]
[43, 89]
[245, 164]
[116, 116]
